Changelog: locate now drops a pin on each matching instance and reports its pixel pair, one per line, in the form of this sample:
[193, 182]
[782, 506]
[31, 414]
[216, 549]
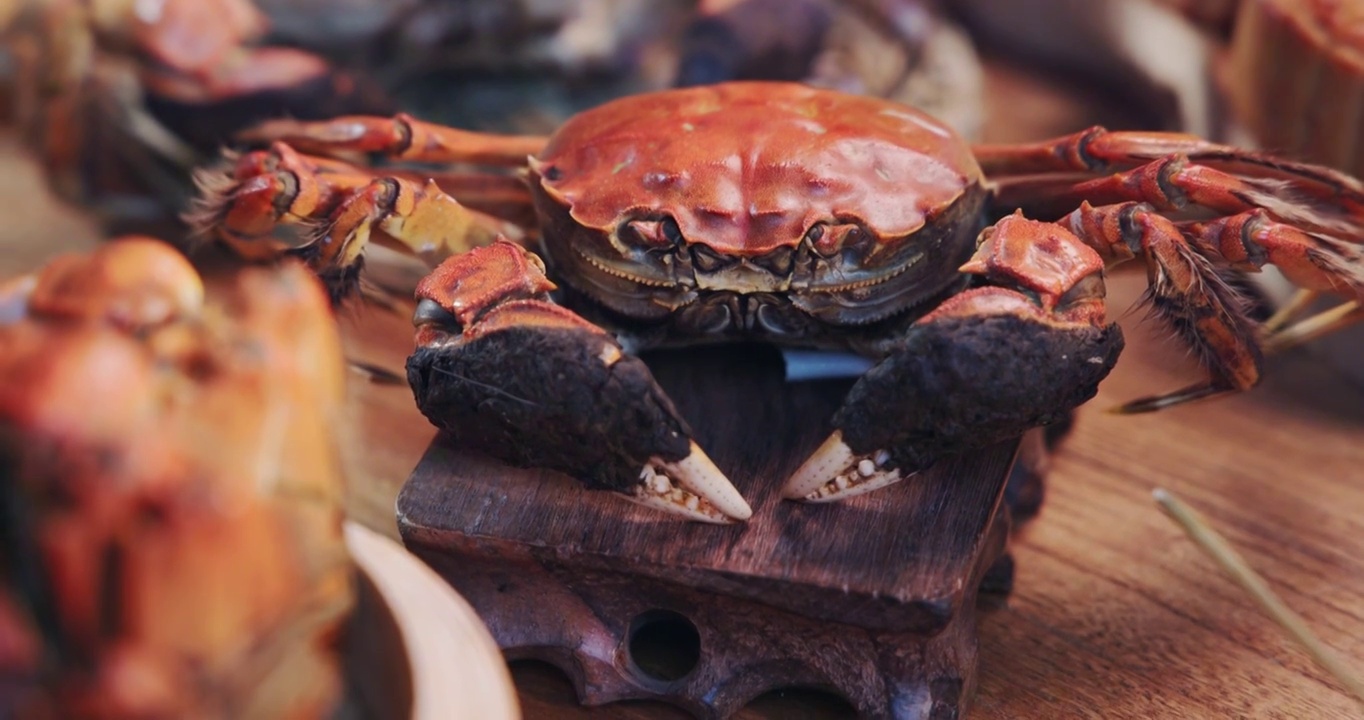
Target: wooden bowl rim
[456, 668]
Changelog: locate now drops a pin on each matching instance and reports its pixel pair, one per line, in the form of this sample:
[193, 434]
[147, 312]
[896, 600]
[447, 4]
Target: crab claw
[691, 487]
[504, 369]
[956, 382]
[835, 472]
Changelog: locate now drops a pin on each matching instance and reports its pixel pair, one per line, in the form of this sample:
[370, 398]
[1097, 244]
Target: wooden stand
[873, 598]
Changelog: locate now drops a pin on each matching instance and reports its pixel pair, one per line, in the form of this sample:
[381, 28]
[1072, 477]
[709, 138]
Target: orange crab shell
[757, 176]
[193, 443]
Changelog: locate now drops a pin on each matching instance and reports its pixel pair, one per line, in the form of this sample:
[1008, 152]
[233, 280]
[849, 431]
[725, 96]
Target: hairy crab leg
[1100, 151]
[1020, 350]
[401, 137]
[1188, 292]
[1176, 182]
[502, 367]
[1306, 221]
[339, 206]
[1317, 262]
[1094, 150]
[503, 196]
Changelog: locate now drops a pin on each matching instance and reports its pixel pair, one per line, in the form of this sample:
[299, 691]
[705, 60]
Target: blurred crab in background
[119, 99]
[803, 217]
[144, 571]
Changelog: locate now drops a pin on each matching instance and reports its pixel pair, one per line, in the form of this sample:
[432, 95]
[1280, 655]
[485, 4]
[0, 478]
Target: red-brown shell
[748, 167]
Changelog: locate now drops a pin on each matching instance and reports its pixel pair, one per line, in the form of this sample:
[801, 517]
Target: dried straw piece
[1234, 565]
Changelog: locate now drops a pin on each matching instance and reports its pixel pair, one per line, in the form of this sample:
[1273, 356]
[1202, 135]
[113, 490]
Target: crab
[119, 99]
[972, 276]
[173, 489]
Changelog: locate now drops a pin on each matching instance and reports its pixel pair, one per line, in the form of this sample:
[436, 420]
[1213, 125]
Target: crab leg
[499, 195]
[339, 206]
[1188, 292]
[1177, 182]
[401, 137]
[1305, 220]
[1099, 151]
[1092, 151]
[503, 368]
[987, 365]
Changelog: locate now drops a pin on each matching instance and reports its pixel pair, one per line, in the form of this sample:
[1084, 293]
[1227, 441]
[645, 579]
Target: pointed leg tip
[1184, 396]
[1136, 407]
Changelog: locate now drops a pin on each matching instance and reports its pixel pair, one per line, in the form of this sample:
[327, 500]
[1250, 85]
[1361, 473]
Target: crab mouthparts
[692, 488]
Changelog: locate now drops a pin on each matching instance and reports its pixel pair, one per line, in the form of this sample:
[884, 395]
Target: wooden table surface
[1114, 614]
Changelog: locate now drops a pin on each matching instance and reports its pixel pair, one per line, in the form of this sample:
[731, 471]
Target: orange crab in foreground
[780, 213]
[172, 489]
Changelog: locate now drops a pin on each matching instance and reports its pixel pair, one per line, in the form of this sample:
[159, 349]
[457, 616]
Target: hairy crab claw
[835, 472]
[692, 488]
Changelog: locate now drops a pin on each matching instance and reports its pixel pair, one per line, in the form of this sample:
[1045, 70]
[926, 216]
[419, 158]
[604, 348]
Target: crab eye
[829, 240]
[671, 232]
[655, 233]
[429, 312]
[708, 260]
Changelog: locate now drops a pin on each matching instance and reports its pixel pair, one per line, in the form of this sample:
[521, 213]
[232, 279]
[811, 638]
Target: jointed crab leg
[1093, 150]
[340, 206]
[1305, 220]
[1187, 291]
[401, 137]
[1100, 151]
[1176, 182]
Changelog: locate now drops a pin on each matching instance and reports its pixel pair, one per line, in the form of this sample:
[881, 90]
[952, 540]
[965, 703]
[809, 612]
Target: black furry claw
[953, 386]
[570, 400]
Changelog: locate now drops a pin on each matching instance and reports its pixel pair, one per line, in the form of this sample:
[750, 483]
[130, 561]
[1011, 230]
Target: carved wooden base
[873, 598]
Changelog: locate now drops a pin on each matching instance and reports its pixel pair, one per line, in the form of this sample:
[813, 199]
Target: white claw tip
[835, 472]
[692, 488]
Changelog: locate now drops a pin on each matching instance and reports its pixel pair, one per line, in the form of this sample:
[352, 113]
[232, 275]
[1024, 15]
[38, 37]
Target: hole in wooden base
[663, 645]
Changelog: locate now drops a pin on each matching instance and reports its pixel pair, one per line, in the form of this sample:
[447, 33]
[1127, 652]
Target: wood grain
[1114, 613]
